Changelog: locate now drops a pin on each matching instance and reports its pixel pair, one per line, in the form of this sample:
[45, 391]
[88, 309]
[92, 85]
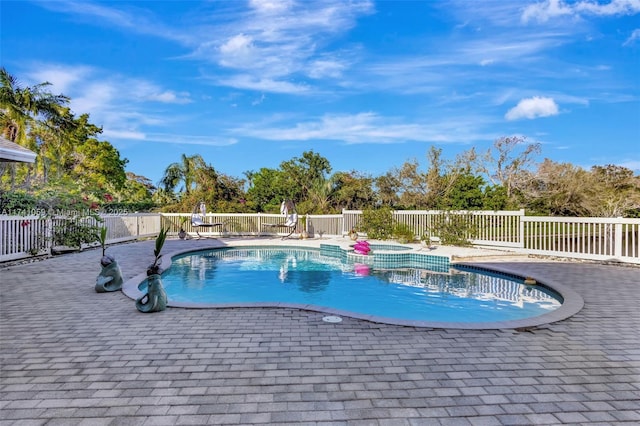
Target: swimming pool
[277, 276]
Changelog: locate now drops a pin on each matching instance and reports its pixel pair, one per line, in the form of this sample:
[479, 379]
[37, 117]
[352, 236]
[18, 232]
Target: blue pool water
[305, 276]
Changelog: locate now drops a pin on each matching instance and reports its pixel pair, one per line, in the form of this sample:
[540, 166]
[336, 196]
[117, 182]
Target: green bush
[17, 203]
[454, 229]
[77, 230]
[377, 223]
[403, 233]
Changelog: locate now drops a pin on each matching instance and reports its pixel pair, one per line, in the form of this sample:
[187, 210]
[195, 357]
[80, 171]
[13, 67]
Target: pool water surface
[307, 277]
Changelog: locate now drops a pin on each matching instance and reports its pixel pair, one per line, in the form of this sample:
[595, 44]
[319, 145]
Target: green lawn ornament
[110, 277]
[155, 299]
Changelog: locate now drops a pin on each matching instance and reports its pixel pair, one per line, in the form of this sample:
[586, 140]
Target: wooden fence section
[586, 238]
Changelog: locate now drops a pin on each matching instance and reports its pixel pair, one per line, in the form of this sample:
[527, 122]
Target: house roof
[10, 151]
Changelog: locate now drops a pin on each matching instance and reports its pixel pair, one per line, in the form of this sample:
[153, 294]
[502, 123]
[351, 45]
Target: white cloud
[238, 43]
[550, 9]
[270, 6]
[190, 140]
[635, 35]
[533, 108]
[325, 68]
[121, 105]
[170, 97]
[258, 101]
[132, 135]
[369, 127]
[128, 18]
[237, 52]
[249, 82]
[277, 40]
[544, 11]
[614, 7]
[123, 134]
[62, 78]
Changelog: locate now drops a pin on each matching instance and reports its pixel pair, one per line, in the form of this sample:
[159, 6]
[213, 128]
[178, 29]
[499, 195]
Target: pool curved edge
[571, 305]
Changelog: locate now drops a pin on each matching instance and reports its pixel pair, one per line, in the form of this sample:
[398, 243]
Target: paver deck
[69, 355]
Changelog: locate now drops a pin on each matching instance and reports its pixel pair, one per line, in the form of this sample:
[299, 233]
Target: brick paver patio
[69, 355]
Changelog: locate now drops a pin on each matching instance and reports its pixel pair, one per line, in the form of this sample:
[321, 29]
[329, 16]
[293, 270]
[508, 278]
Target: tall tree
[182, 172]
[614, 191]
[267, 188]
[505, 163]
[353, 191]
[465, 193]
[20, 106]
[555, 189]
[305, 172]
[136, 188]
[418, 189]
[99, 164]
[387, 187]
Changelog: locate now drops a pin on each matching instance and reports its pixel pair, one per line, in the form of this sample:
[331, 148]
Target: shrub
[377, 223]
[454, 229]
[403, 233]
[77, 230]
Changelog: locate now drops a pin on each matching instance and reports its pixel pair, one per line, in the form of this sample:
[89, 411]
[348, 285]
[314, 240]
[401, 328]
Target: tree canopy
[76, 167]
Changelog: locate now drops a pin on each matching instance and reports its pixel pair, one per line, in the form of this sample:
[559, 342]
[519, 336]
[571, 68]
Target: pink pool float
[362, 247]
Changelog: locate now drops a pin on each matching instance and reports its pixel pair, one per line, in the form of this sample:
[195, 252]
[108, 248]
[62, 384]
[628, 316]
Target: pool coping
[572, 302]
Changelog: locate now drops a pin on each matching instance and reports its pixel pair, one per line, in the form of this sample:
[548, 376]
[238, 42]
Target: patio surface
[69, 355]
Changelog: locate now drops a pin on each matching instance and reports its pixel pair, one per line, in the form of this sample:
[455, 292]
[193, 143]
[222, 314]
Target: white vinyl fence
[584, 238]
[609, 239]
[25, 236]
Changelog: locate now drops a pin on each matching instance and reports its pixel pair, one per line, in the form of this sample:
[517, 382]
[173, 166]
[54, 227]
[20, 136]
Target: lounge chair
[288, 209]
[199, 219]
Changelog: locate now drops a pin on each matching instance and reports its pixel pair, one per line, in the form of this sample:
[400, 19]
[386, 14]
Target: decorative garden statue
[110, 278]
[156, 298]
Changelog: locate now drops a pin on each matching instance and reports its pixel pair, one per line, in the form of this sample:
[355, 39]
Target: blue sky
[368, 85]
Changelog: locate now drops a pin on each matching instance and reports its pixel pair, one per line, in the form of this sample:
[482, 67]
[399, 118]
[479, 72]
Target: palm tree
[19, 106]
[185, 171]
[320, 194]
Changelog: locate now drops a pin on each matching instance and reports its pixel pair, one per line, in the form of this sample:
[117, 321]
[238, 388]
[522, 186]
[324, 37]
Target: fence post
[48, 224]
[521, 229]
[343, 222]
[617, 232]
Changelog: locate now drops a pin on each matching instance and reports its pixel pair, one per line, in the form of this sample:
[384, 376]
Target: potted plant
[110, 277]
[156, 298]
[182, 234]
